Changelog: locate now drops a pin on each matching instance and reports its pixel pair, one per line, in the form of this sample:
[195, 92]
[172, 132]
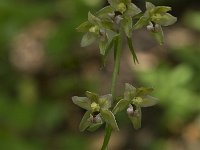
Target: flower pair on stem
[100, 110]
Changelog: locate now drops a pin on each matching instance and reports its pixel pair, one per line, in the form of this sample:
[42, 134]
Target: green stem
[117, 49]
[107, 137]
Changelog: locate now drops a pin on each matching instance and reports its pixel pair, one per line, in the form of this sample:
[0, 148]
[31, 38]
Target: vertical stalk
[117, 49]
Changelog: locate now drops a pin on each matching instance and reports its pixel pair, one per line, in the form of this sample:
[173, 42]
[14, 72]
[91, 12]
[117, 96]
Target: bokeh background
[42, 66]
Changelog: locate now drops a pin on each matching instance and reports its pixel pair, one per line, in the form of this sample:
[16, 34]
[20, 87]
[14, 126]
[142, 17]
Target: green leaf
[127, 25]
[85, 123]
[136, 119]
[88, 39]
[130, 92]
[164, 20]
[148, 101]
[130, 45]
[84, 27]
[82, 102]
[144, 91]
[158, 34]
[92, 96]
[109, 118]
[105, 101]
[132, 10]
[120, 106]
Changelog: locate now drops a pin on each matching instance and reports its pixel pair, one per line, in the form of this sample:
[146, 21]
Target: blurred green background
[42, 66]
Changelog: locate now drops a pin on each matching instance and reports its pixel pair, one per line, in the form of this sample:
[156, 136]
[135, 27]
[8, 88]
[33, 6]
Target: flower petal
[92, 96]
[105, 11]
[88, 39]
[111, 34]
[113, 3]
[82, 102]
[105, 101]
[84, 27]
[93, 19]
[85, 123]
[103, 45]
[144, 91]
[149, 101]
[132, 10]
[162, 9]
[109, 118]
[164, 20]
[143, 21]
[149, 6]
[93, 127]
[130, 91]
[127, 25]
[120, 106]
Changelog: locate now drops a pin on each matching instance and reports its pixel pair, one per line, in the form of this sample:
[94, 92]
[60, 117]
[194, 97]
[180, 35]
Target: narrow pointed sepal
[109, 118]
[85, 122]
[82, 102]
[120, 106]
[148, 101]
[130, 44]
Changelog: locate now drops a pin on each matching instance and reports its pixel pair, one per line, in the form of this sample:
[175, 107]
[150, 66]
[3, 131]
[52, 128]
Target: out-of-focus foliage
[175, 91]
[34, 99]
[177, 81]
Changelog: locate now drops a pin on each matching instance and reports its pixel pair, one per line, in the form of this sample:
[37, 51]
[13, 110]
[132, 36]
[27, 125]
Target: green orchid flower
[99, 27]
[127, 10]
[97, 111]
[125, 7]
[154, 18]
[134, 99]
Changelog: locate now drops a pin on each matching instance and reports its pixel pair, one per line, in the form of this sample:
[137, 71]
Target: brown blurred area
[42, 66]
